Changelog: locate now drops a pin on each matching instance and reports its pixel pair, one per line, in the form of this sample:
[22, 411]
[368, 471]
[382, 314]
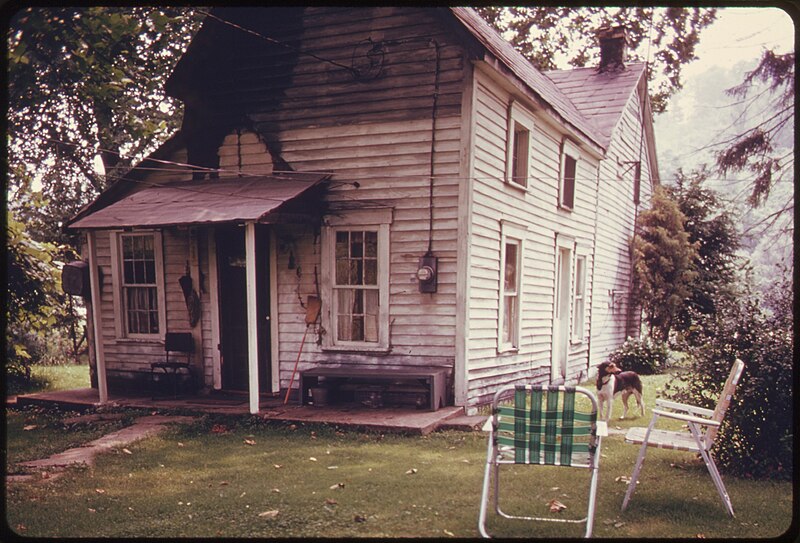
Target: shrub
[756, 437]
[644, 356]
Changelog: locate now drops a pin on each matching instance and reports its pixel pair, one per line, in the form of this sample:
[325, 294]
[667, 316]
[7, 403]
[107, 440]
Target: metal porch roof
[202, 202]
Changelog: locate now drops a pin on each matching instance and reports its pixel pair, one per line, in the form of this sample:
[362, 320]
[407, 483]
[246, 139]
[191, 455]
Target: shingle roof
[589, 101]
[600, 97]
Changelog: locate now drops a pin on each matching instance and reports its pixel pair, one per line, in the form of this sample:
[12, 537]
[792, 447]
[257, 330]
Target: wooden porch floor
[347, 416]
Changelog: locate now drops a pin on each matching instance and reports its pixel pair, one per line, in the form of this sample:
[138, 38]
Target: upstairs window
[518, 145]
[569, 170]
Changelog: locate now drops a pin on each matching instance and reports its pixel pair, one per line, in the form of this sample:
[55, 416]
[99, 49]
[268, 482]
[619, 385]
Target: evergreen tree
[664, 264]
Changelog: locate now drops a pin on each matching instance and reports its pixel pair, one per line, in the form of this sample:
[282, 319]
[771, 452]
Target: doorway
[561, 317]
[232, 288]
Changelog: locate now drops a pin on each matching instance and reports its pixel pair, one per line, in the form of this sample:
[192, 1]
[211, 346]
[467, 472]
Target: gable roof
[537, 81]
[600, 96]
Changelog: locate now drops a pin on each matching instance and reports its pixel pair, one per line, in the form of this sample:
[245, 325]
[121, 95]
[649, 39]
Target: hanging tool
[313, 306]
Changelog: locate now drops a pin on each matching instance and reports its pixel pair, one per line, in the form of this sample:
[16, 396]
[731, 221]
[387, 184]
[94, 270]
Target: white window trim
[116, 280]
[510, 232]
[518, 115]
[568, 149]
[577, 338]
[377, 219]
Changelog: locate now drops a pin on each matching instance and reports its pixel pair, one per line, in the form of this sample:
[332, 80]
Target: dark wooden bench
[180, 343]
[425, 386]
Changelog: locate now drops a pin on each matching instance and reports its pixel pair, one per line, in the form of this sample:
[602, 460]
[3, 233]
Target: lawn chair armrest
[686, 418]
[675, 406]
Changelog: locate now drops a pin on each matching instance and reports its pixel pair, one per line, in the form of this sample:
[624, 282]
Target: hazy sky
[728, 49]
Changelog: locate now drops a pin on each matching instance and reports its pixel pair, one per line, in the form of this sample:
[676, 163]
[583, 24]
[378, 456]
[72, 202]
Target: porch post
[252, 315]
[94, 281]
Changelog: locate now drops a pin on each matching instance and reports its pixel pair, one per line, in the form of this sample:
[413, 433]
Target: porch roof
[253, 198]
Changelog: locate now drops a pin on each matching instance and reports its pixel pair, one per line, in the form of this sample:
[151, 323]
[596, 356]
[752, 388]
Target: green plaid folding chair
[540, 425]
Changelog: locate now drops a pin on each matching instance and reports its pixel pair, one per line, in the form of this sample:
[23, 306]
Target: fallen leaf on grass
[312, 459]
[92, 510]
[99, 490]
[126, 451]
[412, 471]
[180, 444]
[448, 532]
[333, 467]
[30, 427]
[619, 524]
[276, 490]
[224, 483]
[359, 518]
[556, 506]
[277, 466]
[336, 486]
[249, 442]
[269, 514]
[623, 479]
[331, 501]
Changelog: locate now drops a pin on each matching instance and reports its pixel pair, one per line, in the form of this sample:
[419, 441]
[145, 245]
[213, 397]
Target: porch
[357, 417]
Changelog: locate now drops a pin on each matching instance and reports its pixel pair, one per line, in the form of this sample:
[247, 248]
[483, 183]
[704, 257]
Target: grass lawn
[47, 378]
[228, 477]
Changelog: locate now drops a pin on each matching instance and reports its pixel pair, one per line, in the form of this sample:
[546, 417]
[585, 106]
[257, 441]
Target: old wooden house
[447, 205]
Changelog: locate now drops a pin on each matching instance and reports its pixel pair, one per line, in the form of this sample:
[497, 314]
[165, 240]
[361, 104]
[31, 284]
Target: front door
[232, 273]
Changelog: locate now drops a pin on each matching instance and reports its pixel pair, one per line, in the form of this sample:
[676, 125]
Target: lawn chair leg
[639, 461]
[485, 492]
[592, 498]
[715, 476]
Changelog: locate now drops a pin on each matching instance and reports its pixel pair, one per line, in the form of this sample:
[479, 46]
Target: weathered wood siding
[537, 209]
[373, 132]
[615, 231]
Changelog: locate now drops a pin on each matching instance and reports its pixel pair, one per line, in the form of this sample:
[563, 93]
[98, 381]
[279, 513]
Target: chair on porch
[545, 426]
[175, 344]
[703, 427]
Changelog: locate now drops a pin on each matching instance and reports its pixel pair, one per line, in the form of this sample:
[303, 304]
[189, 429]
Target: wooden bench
[347, 384]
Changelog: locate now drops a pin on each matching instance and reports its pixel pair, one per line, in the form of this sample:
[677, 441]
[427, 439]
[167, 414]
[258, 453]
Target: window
[569, 168]
[138, 275]
[356, 280]
[520, 125]
[579, 300]
[510, 287]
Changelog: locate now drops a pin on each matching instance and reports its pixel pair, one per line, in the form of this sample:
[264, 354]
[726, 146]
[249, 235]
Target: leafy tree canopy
[82, 83]
[551, 37]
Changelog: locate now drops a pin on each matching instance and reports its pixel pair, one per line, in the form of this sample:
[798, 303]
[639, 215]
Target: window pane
[342, 242]
[510, 284]
[370, 272]
[356, 244]
[371, 310]
[371, 244]
[342, 272]
[519, 167]
[343, 328]
[509, 319]
[568, 199]
[357, 328]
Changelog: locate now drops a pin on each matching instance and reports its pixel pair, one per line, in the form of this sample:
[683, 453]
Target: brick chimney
[613, 48]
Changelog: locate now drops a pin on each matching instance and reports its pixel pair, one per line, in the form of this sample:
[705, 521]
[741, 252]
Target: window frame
[519, 120]
[515, 235]
[571, 151]
[378, 221]
[120, 305]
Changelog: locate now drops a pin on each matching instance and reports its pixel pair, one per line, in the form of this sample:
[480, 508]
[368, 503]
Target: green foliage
[544, 33]
[82, 83]
[712, 229]
[756, 437]
[762, 149]
[645, 356]
[664, 265]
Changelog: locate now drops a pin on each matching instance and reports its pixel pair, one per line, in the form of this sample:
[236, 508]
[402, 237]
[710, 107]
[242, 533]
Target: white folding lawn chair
[703, 426]
[542, 426]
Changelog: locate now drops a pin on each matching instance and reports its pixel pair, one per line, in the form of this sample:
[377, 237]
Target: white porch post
[252, 316]
[94, 281]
